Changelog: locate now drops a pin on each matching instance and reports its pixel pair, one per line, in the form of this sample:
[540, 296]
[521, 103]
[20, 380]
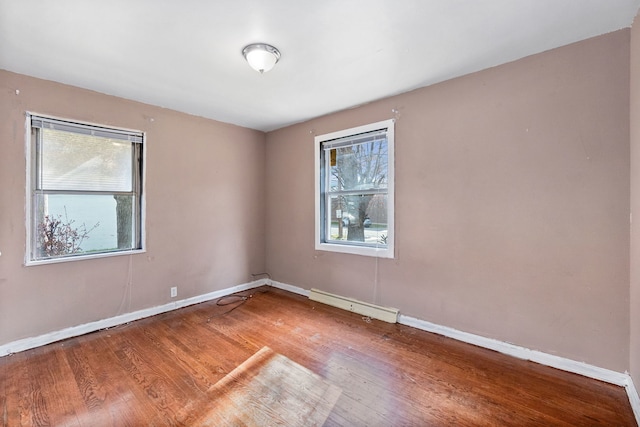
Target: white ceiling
[186, 55]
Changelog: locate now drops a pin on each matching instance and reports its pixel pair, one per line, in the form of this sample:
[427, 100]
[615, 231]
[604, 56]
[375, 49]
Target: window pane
[82, 224]
[359, 218]
[358, 167]
[71, 161]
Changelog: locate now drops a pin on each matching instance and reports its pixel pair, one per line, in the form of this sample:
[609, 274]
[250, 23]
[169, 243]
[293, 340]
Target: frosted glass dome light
[261, 57]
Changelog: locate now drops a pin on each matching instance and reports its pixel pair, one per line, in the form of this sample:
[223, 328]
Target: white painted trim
[290, 288]
[74, 331]
[581, 368]
[634, 399]
[27, 186]
[29, 263]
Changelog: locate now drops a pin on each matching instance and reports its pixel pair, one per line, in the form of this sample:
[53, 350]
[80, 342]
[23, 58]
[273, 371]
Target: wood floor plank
[119, 401]
[165, 371]
[57, 386]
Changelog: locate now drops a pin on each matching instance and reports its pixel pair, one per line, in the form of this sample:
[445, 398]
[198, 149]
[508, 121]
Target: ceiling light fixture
[261, 56]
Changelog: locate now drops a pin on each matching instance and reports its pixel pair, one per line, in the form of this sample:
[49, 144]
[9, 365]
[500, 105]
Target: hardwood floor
[163, 370]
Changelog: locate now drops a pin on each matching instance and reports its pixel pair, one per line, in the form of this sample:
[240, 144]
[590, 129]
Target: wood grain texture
[267, 389]
[159, 371]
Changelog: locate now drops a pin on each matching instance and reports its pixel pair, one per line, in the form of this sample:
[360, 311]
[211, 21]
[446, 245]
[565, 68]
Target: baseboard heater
[371, 310]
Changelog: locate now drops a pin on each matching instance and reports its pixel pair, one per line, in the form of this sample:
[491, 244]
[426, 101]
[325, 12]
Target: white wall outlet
[174, 291]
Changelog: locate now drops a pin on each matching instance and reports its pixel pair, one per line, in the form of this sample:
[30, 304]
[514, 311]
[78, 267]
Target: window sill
[83, 257]
[356, 250]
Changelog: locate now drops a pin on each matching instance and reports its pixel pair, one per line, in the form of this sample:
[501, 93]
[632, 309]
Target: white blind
[84, 129]
[362, 138]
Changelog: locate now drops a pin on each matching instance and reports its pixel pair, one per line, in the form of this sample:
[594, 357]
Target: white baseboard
[634, 399]
[290, 288]
[74, 331]
[584, 369]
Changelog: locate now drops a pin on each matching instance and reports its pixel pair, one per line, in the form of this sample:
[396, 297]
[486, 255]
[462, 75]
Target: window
[85, 190]
[354, 190]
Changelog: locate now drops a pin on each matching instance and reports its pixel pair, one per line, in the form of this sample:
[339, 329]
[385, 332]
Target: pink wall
[205, 228]
[635, 204]
[512, 204]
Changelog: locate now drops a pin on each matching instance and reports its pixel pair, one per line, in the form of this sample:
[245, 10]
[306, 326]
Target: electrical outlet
[174, 291]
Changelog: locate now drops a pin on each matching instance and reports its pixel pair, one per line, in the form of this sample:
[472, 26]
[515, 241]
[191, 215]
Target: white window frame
[320, 241]
[30, 192]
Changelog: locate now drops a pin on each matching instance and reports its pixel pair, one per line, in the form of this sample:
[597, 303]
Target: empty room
[338, 213]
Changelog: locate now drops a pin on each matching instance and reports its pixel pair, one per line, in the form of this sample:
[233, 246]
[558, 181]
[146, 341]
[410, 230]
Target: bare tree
[60, 237]
[359, 168]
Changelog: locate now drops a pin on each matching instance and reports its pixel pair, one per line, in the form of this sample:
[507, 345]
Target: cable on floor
[238, 299]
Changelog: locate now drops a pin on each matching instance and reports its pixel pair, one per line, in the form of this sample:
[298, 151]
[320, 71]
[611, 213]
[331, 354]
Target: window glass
[81, 224]
[347, 216]
[359, 166]
[72, 161]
